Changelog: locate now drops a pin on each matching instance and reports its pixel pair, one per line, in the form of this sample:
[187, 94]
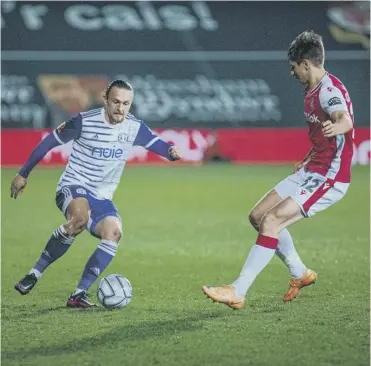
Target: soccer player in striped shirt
[102, 140]
[320, 180]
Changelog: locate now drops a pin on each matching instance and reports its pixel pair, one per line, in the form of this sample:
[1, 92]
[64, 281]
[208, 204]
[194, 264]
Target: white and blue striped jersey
[100, 150]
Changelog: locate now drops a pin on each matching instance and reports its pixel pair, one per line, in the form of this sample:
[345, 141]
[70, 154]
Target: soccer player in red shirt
[319, 181]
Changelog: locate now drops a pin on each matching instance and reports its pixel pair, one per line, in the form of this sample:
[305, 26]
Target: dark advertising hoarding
[192, 64]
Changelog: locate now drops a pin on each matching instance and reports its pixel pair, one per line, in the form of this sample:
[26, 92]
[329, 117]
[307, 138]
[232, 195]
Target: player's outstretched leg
[275, 220]
[300, 276]
[109, 230]
[58, 244]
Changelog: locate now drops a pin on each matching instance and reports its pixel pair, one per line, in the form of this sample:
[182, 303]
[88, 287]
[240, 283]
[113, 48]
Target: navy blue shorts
[99, 208]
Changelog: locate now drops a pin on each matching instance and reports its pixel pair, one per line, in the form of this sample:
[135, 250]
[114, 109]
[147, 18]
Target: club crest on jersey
[124, 137]
[312, 104]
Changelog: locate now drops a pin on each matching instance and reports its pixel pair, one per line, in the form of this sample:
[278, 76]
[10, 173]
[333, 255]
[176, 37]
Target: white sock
[37, 273]
[256, 261]
[77, 291]
[287, 253]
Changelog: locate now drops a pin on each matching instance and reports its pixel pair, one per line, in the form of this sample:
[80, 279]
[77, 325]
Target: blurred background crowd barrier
[210, 76]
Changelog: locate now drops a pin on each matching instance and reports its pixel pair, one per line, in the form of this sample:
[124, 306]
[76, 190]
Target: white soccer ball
[114, 291]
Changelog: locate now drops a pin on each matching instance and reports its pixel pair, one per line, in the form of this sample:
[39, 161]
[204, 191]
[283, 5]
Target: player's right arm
[150, 141]
[66, 132]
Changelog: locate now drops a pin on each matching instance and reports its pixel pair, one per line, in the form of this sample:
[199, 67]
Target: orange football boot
[296, 285]
[225, 295]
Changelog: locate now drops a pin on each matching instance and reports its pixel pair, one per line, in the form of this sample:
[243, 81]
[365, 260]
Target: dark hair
[307, 46]
[122, 84]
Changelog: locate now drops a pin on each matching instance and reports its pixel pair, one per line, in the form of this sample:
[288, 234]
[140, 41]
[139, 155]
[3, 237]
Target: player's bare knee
[77, 215]
[269, 222]
[113, 234]
[254, 219]
[77, 223]
[111, 230]
[81, 221]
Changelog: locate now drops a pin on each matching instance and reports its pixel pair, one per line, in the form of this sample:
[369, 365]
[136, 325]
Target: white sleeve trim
[151, 142]
[57, 138]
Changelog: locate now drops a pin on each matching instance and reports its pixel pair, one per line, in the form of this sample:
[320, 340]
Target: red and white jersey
[332, 156]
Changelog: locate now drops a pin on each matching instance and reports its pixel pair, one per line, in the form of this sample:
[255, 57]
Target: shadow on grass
[118, 336]
[26, 311]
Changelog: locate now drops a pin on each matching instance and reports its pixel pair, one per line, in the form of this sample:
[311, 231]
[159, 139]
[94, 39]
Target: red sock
[267, 241]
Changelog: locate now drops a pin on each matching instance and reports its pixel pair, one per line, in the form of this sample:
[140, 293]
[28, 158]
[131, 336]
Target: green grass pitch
[184, 227]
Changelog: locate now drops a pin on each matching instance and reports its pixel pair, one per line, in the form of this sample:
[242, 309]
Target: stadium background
[213, 78]
[205, 74]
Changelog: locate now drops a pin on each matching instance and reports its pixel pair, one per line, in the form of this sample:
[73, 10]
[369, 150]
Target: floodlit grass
[184, 227]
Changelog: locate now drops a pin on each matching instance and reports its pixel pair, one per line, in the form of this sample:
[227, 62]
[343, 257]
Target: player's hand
[329, 129]
[18, 185]
[299, 165]
[174, 153]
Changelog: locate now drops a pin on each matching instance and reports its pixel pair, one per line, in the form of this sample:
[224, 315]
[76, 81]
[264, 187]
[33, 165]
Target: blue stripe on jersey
[94, 110]
[94, 121]
[91, 116]
[90, 185]
[86, 162]
[83, 175]
[69, 175]
[89, 156]
[91, 112]
[98, 133]
[109, 142]
[84, 166]
[83, 171]
[87, 147]
[65, 180]
[101, 127]
[132, 117]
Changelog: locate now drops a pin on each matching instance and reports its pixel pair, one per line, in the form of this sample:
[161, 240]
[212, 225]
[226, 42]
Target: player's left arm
[333, 103]
[65, 132]
[150, 141]
[339, 124]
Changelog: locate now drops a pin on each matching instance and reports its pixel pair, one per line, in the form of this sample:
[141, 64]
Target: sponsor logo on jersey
[312, 118]
[107, 153]
[80, 191]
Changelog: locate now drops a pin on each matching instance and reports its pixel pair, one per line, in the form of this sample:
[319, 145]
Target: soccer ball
[114, 291]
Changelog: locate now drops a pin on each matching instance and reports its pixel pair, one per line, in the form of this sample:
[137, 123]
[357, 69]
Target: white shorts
[311, 191]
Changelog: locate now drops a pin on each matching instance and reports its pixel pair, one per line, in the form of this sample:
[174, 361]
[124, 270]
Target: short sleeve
[332, 100]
